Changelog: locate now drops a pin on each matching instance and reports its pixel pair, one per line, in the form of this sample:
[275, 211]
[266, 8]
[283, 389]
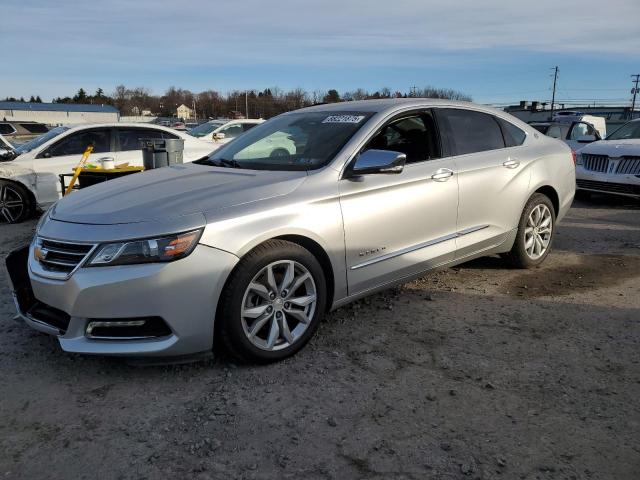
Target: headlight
[163, 249]
[578, 159]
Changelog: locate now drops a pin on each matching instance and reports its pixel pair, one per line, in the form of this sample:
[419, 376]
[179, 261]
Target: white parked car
[31, 179]
[220, 132]
[574, 130]
[612, 165]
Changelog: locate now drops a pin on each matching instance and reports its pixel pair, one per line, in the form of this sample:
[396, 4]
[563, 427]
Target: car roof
[391, 104]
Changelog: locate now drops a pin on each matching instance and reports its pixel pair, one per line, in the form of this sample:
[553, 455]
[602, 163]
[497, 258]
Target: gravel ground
[473, 372]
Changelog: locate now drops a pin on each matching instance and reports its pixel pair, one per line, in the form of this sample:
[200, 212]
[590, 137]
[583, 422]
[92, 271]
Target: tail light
[573, 156]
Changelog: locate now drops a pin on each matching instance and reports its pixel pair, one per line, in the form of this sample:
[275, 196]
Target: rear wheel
[272, 303]
[15, 202]
[535, 233]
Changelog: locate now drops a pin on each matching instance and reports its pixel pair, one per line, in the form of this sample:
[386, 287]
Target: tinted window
[473, 131]
[6, 129]
[248, 126]
[129, 138]
[34, 127]
[513, 136]
[415, 136]
[77, 143]
[580, 130]
[232, 131]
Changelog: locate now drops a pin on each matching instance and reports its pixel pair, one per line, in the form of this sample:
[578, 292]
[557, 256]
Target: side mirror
[378, 161]
[218, 136]
[587, 139]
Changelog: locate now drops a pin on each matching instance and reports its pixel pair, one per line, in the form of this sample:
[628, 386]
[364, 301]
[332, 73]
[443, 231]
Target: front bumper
[184, 294]
[619, 184]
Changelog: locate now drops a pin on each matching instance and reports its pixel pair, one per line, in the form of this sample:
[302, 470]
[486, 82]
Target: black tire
[518, 256]
[16, 204]
[229, 322]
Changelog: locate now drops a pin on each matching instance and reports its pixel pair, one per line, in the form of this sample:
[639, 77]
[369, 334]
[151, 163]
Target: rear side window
[513, 136]
[248, 126]
[473, 131]
[129, 138]
[77, 143]
[6, 129]
[35, 127]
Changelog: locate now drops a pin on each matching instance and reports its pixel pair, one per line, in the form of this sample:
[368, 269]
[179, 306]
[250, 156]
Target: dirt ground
[474, 372]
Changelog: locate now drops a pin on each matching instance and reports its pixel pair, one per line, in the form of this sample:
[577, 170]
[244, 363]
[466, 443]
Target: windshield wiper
[219, 162]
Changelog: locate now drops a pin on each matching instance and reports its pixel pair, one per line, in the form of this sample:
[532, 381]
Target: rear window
[35, 127]
[473, 131]
[513, 136]
[129, 138]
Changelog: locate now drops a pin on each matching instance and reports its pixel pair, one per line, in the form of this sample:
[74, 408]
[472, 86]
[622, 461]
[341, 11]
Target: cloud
[70, 39]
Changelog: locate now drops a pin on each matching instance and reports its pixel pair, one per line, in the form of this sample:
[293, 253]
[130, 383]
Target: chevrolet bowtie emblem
[40, 253]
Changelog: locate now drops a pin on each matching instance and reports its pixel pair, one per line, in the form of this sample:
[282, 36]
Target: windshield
[204, 129]
[627, 131]
[295, 141]
[42, 139]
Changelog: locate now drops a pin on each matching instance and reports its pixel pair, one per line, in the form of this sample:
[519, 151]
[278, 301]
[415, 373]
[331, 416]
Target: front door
[63, 156]
[397, 225]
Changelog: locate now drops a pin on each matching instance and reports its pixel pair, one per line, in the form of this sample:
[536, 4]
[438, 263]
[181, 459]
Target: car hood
[613, 148]
[172, 192]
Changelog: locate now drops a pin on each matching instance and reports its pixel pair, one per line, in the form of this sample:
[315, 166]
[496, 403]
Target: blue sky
[495, 51]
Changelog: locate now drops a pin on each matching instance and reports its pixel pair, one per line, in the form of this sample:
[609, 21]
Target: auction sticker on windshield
[343, 119]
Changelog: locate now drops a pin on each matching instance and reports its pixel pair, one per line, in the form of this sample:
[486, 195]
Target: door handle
[511, 163]
[442, 175]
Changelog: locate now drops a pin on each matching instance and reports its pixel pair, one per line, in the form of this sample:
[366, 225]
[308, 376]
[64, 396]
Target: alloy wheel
[12, 204]
[278, 305]
[537, 233]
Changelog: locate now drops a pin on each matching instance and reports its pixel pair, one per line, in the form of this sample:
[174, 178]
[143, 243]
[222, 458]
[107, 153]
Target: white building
[184, 112]
[58, 113]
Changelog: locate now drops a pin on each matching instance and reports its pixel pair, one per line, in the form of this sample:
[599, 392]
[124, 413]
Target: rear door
[397, 225]
[492, 176]
[128, 143]
[64, 155]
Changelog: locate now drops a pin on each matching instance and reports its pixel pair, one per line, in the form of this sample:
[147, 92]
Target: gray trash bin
[158, 153]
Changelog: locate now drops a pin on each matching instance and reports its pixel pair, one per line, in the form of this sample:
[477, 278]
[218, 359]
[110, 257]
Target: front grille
[595, 163]
[609, 187]
[60, 257]
[629, 166]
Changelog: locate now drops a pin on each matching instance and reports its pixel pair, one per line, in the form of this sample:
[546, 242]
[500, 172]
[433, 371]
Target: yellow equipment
[78, 169]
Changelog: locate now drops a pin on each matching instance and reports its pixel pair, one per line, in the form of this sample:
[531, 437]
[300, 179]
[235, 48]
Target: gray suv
[252, 246]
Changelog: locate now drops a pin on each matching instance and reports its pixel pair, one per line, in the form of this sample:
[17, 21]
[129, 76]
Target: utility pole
[553, 96]
[634, 90]
[246, 104]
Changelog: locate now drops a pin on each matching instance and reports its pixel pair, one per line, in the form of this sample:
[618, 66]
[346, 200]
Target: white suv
[612, 165]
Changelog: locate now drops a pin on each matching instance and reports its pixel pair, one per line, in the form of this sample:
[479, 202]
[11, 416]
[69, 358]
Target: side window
[513, 136]
[129, 138]
[248, 126]
[77, 143]
[232, 131]
[558, 131]
[35, 127]
[473, 131]
[6, 129]
[416, 136]
[581, 129]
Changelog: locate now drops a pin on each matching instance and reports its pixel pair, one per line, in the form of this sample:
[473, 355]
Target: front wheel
[535, 233]
[15, 203]
[272, 303]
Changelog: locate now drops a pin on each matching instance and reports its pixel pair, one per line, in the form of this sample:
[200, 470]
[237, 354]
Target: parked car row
[253, 247]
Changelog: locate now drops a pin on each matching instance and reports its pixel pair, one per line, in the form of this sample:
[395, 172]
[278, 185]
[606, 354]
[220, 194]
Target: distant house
[184, 112]
[236, 115]
[58, 113]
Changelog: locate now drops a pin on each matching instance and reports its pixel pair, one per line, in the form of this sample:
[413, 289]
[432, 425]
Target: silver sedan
[251, 249]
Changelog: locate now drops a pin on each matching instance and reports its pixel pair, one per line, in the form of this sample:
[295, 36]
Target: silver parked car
[253, 250]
